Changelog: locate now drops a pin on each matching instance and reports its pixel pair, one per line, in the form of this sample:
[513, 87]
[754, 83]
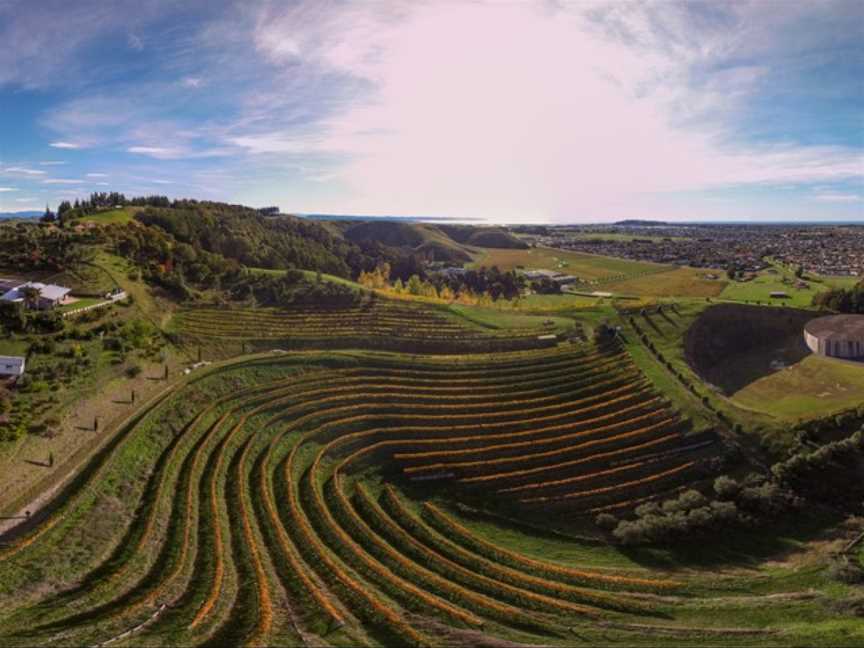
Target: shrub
[726, 487]
[133, 371]
[606, 521]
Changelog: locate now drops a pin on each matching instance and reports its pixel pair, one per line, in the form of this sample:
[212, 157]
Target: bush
[132, 371]
[606, 521]
[726, 487]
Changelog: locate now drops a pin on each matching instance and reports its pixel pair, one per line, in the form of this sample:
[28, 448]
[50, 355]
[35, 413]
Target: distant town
[824, 250]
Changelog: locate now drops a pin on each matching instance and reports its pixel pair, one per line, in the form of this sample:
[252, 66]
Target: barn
[836, 336]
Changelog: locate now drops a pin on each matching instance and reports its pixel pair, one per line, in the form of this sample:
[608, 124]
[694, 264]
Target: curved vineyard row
[255, 521]
[380, 322]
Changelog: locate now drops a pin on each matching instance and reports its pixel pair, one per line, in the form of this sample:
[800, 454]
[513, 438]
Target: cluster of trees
[29, 248]
[96, 201]
[824, 473]
[176, 266]
[246, 236]
[842, 300]
[474, 286]
[174, 254]
[15, 318]
[546, 286]
[493, 282]
[823, 476]
[692, 514]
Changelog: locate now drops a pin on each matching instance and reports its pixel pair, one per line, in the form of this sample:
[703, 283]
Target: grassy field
[812, 387]
[584, 266]
[111, 216]
[503, 319]
[680, 282]
[758, 290]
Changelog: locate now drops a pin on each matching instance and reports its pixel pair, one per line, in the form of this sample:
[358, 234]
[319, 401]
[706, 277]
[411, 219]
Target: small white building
[11, 365]
[49, 294]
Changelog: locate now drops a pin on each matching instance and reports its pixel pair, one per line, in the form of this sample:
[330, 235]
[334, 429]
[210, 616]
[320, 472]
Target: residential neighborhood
[833, 251]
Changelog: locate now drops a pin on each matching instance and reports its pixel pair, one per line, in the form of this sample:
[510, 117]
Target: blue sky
[507, 111]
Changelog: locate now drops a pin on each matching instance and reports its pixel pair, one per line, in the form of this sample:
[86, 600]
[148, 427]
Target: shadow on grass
[738, 547]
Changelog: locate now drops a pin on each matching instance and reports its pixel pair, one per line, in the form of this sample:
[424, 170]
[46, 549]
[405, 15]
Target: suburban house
[11, 366]
[49, 297]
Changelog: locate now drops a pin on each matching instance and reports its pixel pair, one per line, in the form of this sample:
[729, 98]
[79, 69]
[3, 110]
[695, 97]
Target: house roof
[11, 364]
[46, 291]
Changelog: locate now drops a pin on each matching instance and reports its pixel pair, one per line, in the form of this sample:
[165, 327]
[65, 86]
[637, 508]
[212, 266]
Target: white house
[49, 294]
[11, 365]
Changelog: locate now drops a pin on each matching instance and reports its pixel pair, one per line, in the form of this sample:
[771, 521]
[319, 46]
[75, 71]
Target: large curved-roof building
[836, 336]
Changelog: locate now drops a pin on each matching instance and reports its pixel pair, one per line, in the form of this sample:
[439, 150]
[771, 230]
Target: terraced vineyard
[378, 323]
[310, 500]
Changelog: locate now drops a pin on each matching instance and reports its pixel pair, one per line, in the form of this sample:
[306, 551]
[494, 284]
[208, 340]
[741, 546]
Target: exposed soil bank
[731, 345]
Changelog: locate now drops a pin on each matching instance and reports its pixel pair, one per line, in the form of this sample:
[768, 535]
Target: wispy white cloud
[23, 171]
[135, 42]
[838, 197]
[178, 152]
[7, 189]
[97, 175]
[192, 82]
[66, 145]
[52, 163]
[62, 181]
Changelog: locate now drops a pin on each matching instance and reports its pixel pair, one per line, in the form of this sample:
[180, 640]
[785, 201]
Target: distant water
[403, 219]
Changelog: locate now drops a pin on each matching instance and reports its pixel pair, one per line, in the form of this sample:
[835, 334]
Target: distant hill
[21, 214]
[490, 237]
[640, 223]
[438, 242]
[417, 237]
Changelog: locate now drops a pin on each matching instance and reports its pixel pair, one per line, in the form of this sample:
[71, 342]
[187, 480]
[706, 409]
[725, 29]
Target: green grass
[680, 283]
[668, 337]
[778, 279]
[112, 216]
[490, 317]
[584, 266]
[813, 387]
[15, 347]
[82, 302]
[564, 301]
[145, 302]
